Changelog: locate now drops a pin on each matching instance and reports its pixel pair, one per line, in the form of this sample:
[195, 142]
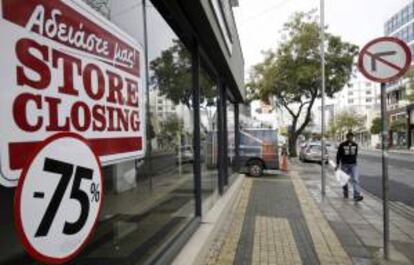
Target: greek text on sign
[384, 59]
[58, 199]
[66, 69]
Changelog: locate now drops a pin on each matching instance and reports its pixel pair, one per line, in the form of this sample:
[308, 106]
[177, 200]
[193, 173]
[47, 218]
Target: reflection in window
[150, 200]
[209, 138]
[230, 140]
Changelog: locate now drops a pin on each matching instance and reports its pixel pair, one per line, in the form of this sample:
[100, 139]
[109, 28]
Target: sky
[259, 22]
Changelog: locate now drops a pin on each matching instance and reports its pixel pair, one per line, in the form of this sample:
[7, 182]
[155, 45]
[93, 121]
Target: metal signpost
[322, 26]
[384, 60]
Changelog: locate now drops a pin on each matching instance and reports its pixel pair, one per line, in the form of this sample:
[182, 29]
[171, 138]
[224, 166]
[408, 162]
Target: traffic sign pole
[385, 184]
[384, 60]
[323, 177]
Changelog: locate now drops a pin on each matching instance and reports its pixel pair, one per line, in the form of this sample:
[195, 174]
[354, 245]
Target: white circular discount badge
[58, 199]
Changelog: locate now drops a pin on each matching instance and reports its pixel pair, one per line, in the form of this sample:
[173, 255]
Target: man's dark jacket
[347, 153]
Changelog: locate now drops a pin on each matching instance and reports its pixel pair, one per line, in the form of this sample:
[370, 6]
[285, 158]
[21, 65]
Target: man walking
[346, 158]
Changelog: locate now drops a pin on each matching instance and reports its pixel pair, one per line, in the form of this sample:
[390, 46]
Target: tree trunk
[293, 137]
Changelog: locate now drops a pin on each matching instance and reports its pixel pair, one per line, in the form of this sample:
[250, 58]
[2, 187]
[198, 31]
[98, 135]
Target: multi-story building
[361, 97]
[264, 115]
[401, 25]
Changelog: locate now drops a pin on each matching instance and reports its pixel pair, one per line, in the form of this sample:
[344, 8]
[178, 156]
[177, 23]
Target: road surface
[401, 174]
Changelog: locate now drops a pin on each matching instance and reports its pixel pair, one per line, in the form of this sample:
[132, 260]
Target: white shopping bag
[342, 177]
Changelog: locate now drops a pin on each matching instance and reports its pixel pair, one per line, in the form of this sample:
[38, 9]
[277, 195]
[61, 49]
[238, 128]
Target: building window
[350, 101]
[230, 140]
[368, 100]
[403, 94]
[404, 15]
[209, 136]
[350, 93]
[405, 33]
[410, 32]
[143, 208]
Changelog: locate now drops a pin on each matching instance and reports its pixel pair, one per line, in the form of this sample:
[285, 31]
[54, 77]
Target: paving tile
[286, 221]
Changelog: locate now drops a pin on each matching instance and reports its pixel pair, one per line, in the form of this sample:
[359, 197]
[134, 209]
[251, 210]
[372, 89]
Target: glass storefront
[231, 165]
[209, 138]
[149, 200]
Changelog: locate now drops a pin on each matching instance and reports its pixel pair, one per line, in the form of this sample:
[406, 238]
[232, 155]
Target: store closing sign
[65, 68]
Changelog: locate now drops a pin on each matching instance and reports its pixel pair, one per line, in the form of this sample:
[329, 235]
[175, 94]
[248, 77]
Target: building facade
[400, 110]
[361, 97]
[183, 78]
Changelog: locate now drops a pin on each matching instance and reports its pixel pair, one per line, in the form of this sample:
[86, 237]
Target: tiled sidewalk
[359, 225]
[277, 222]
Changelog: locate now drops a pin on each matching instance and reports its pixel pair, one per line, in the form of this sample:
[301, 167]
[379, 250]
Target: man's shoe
[359, 198]
[345, 190]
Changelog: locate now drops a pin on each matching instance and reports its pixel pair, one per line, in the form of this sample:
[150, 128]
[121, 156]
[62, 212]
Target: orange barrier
[284, 165]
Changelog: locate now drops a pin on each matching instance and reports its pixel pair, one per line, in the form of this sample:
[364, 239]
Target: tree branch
[302, 104]
[308, 115]
[286, 106]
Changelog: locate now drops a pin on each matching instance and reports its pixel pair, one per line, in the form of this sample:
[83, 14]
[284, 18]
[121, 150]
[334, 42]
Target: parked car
[312, 152]
[185, 154]
[302, 146]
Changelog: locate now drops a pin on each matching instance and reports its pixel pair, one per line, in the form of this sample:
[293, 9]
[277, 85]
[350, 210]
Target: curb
[394, 151]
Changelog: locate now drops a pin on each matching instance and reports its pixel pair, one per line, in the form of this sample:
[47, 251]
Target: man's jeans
[352, 171]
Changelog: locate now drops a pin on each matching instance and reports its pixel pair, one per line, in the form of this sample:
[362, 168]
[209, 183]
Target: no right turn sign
[384, 59]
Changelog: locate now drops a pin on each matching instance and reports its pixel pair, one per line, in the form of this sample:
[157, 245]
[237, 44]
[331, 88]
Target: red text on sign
[115, 97]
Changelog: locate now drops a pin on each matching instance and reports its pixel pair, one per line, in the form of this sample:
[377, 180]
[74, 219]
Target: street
[401, 174]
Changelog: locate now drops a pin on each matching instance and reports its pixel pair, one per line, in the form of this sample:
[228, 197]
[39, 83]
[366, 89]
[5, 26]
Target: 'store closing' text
[65, 69]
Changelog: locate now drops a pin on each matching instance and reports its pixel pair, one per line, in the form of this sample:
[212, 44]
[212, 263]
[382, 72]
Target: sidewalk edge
[327, 245]
[197, 248]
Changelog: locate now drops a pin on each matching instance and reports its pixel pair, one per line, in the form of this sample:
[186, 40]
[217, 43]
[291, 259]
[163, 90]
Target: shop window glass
[209, 138]
[147, 201]
[230, 141]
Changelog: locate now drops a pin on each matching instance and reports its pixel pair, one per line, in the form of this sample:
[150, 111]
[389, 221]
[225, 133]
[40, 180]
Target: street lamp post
[322, 33]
